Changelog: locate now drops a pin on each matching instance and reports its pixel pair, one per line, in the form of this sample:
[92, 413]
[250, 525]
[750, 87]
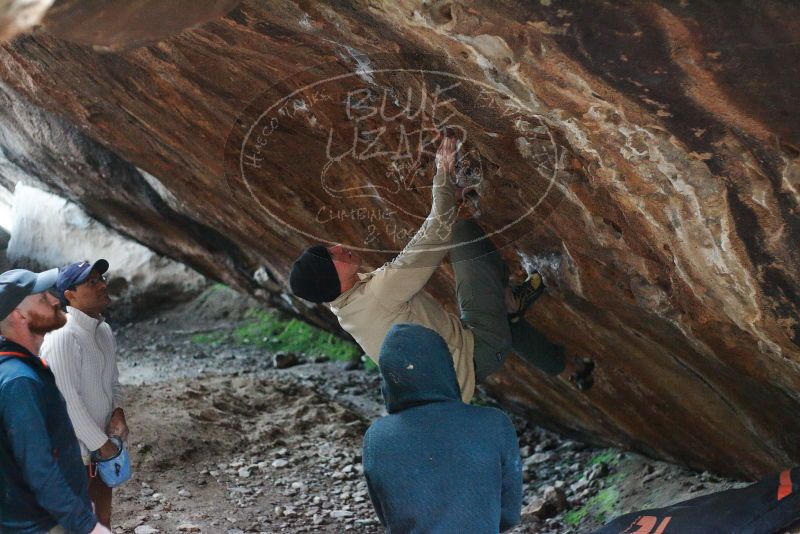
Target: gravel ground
[223, 442]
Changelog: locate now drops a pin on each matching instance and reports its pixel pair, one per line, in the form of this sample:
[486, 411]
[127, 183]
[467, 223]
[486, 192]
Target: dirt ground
[222, 442]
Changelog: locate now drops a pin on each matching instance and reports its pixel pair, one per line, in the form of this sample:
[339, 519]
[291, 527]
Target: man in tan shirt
[367, 305]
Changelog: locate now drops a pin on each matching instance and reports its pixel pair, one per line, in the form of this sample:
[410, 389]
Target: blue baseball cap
[76, 273]
[17, 284]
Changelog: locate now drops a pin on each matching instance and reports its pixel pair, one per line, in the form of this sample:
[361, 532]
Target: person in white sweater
[82, 356]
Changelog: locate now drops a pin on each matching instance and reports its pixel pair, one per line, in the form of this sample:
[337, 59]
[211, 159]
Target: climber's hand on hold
[446, 156]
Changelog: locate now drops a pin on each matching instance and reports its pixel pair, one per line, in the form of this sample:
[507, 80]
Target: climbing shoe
[526, 294]
[582, 377]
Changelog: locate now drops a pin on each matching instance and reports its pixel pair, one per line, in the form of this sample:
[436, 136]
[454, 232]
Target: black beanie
[314, 277]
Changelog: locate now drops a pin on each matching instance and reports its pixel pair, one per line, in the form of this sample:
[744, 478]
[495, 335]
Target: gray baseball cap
[17, 284]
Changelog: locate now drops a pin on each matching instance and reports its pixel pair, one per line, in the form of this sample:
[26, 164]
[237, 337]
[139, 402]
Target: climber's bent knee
[490, 354]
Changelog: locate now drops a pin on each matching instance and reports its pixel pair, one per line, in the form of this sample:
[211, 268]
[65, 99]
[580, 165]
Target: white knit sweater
[83, 357]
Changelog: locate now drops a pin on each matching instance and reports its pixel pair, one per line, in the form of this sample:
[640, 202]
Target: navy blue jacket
[435, 464]
[42, 475]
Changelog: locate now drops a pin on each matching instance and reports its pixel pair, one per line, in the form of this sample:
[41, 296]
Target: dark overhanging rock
[120, 24]
[45, 151]
[670, 242]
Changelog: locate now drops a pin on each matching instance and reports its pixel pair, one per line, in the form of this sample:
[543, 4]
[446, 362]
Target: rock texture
[20, 15]
[644, 157]
[50, 231]
[5, 222]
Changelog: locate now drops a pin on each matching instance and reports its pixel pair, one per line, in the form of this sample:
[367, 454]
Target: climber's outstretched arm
[402, 278]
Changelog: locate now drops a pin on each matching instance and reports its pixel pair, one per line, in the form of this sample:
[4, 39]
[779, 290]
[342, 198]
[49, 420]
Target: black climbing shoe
[582, 377]
[526, 294]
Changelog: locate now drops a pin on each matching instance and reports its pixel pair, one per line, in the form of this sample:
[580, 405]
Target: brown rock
[552, 502]
[555, 497]
[650, 170]
[284, 360]
[534, 508]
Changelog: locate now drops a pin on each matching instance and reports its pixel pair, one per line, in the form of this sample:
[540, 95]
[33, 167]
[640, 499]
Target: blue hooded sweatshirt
[435, 464]
[42, 478]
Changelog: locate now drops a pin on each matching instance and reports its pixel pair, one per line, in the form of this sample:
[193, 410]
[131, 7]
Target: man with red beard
[43, 485]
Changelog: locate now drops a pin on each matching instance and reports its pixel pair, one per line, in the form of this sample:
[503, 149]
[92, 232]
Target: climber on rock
[491, 323]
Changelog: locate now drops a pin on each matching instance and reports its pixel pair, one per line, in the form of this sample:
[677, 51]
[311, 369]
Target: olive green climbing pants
[481, 279]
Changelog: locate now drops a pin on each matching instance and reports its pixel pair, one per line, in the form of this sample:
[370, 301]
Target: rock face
[4, 237]
[644, 157]
[20, 15]
[5, 222]
[50, 231]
